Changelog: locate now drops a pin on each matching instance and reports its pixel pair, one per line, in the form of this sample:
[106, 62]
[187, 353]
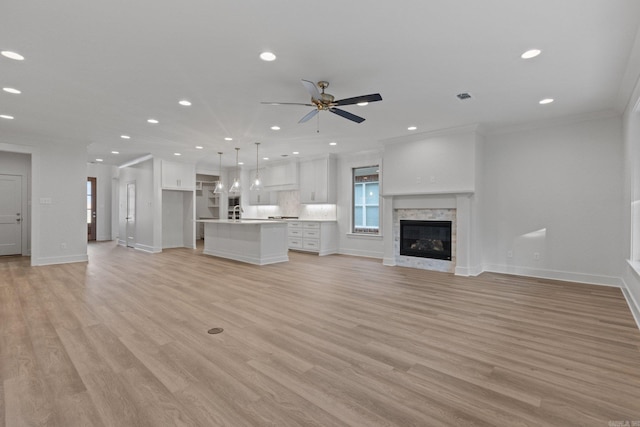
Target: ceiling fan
[325, 101]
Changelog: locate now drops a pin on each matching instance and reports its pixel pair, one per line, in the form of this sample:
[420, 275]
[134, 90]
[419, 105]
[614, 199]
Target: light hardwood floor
[319, 341]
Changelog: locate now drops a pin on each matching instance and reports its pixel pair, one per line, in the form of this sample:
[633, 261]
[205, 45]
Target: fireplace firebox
[426, 239]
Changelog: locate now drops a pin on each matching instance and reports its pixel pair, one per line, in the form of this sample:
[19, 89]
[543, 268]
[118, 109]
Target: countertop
[242, 221]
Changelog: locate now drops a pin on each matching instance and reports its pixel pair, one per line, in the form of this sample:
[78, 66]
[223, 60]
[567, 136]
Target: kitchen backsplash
[289, 205]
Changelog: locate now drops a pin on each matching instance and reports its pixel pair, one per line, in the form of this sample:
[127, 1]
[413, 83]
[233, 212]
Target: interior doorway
[11, 215]
[131, 215]
[92, 218]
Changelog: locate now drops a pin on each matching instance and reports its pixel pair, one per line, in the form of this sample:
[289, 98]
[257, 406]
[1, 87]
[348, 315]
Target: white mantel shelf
[257, 242]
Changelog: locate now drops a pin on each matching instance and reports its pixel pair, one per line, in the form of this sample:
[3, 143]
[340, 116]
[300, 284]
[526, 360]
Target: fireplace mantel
[467, 261]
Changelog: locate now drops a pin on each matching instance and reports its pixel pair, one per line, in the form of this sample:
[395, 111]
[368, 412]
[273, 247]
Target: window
[366, 200]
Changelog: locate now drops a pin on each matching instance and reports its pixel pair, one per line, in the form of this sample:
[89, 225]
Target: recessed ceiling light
[11, 90]
[12, 55]
[532, 53]
[4, 116]
[275, 127]
[184, 103]
[153, 121]
[362, 104]
[177, 154]
[546, 101]
[228, 139]
[265, 158]
[99, 160]
[115, 152]
[125, 137]
[296, 152]
[267, 56]
[412, 128]
[199, 147]
[241, 163]
[333, 143]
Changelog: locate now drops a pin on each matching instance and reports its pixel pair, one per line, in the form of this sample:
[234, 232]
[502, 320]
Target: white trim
[62, 259]
[468, 271]
[566, 276]
[635, 265]
[421, 136]
[633, 304]
[389, 262]
[556, 121]
[361, 253]
[136, 161]
[365, 235]
[246, 258]
[147, 248]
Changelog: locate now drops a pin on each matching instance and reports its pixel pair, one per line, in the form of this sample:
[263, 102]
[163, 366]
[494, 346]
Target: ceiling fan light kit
[326, 102]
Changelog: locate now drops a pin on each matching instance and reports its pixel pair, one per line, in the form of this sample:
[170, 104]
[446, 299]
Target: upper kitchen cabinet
[318, 180]
[264, 196]
[178, 176]
[281, 176]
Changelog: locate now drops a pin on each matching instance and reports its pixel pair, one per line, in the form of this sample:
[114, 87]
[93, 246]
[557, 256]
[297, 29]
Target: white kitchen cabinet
[320, 237]
[263, 197]
[318, 180]
[178, 176]
[281, 176]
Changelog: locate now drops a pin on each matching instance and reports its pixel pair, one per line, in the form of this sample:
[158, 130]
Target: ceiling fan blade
[309, 115]
[347, 115]
[311, 88]
[287, 103]
[364, 98]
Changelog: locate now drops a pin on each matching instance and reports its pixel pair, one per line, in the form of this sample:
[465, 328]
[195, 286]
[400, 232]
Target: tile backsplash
[289, 203]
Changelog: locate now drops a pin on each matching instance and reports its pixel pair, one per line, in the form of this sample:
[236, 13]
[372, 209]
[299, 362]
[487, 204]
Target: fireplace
[426, 239]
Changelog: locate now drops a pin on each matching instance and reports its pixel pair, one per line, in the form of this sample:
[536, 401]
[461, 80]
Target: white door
[131, 214]
[10, 215]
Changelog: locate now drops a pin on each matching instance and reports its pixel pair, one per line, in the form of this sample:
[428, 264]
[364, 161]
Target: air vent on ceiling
[464, 96]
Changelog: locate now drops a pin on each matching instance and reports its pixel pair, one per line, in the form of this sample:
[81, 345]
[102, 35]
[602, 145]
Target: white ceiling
[95, 70]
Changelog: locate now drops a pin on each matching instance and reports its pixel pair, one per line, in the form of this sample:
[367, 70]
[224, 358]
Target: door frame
[92, 231]
[20, 179]
[30, 210]
[127, 242]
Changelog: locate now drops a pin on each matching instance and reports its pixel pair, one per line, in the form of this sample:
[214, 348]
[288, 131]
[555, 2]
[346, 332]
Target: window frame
[364, 205]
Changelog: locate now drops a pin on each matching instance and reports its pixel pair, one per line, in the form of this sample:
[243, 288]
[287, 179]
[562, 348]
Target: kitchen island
[257, 242]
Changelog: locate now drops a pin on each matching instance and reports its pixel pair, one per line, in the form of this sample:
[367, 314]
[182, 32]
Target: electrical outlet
[63, 246]
[509, 254]
[536, 255]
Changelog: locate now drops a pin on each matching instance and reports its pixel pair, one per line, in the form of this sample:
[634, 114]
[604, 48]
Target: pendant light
[219, 184]
[256, 184]
[235, 187]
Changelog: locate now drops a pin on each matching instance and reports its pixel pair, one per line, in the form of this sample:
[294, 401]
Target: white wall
[104, 179]
[20, 164]
[555, 192]
[432, 163]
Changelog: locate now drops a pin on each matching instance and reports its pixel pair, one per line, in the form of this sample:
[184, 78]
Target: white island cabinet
[252, 241]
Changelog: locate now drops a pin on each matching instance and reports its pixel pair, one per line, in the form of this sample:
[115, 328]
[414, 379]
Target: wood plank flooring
[319, 341]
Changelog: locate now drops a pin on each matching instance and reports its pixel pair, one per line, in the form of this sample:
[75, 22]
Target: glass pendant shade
[256, 184]
[219, 184]
[235, 187]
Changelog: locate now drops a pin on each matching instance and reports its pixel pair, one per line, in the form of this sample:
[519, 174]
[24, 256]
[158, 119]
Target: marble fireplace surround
[455, 207]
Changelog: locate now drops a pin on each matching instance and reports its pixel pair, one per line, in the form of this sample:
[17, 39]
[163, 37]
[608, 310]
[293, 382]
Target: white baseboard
[60, 259]
[147, 248]
[633, 304]
[103, 238]
[591, 279]
[390, 262]
[122, 242]
[468, 271]
[357, 252]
